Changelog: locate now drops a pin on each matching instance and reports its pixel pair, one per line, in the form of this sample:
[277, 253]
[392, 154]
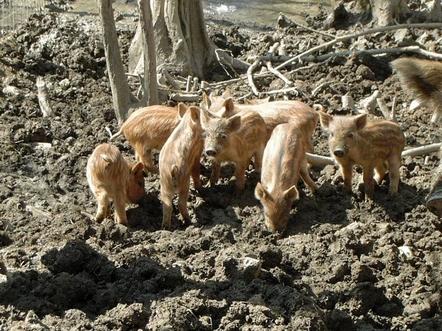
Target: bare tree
[382, 12]
[182, 43]
[122, 98]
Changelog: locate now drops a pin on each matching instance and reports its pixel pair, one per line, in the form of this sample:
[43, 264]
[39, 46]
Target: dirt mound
[344, 263]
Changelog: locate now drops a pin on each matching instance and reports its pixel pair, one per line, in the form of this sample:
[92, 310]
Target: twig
[427, 149]
[108, 130]
[393, 110]
[383, 107]
[284, 90]
[185, 97]
[250, 77]
[319, 160]
[278, 74]
[319, 87]
[42, 95]
[189, 79]
[325, 34]
[90, 216]
[358, 34]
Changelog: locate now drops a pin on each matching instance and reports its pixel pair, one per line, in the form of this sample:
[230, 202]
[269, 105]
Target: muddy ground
[344, 264]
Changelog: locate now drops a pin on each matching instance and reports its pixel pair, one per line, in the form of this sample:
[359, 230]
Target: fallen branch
[278, 74]
[250, 77]
[319, 87]
[369, 104]
[42, 95]
[109, 132]
[319, 160]
[422, 150]
[348, 102]
[358, 34]
[284, 91]
[90, 216]
[180, 97]
[384, 109]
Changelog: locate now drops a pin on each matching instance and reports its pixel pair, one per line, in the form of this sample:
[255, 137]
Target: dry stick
[358, 34]
[185, 97]
[393, 110]
[108, 130]
[319, 87]
[284, 90]
[189, 79]
[278, 74]
[250, 77]
[325, 34]
[320, 160]
[42, 94]
[427, 149]
[384, 109]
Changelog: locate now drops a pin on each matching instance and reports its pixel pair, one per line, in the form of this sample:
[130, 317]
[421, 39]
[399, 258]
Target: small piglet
[180, 159]
[112, 178]
[147, 129]
[235, 139]
[283, 164]
[375, 145]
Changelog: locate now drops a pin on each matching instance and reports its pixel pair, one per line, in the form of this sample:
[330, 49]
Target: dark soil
[344, 264]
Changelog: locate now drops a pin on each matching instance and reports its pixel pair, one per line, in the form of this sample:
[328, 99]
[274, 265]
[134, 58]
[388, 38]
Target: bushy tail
[423, 78]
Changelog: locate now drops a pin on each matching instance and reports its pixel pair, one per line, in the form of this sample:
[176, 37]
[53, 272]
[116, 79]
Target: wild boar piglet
[374, 145]
[283, 164]
[112, 178]
[179, 160]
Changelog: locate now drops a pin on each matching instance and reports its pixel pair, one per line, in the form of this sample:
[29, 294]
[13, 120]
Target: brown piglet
[147, 129]
[273, 113]
[283, 164]
[234, 139]
[180, 159]
[375, 145]
[112, 178]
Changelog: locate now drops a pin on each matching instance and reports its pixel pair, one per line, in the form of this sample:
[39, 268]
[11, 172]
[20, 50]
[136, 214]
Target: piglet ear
[291, 194]
[195, 114]
[137, 168]
[228, 108]
[182, 109]
[260, 192]
[234, 123]
[325, 119]
[360, 121]
[205, 103]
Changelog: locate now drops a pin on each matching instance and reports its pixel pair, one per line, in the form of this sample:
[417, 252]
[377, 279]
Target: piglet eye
[350, 135]
[223, 136]
[331, 134]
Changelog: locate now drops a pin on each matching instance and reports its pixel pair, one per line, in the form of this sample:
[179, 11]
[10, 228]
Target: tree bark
[435, 14]
[181, 39]
[121, 95]
[150, 95]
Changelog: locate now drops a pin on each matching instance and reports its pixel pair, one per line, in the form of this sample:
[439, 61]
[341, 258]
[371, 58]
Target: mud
[344, 264]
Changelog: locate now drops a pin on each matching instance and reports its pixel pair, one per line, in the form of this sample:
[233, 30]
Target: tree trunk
[386, 12]
[150, 95]
[435, 14]
[121, 96]
[181, 39]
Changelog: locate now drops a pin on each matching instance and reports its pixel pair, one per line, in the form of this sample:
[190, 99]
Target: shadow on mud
[81, 278]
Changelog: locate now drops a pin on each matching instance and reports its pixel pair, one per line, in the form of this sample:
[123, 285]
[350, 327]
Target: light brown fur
[111, 178]
[147, 129]
[283, 164]
[375, 145]
[180, 159]
[423, 79]
[234, 139]
[273, 113]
